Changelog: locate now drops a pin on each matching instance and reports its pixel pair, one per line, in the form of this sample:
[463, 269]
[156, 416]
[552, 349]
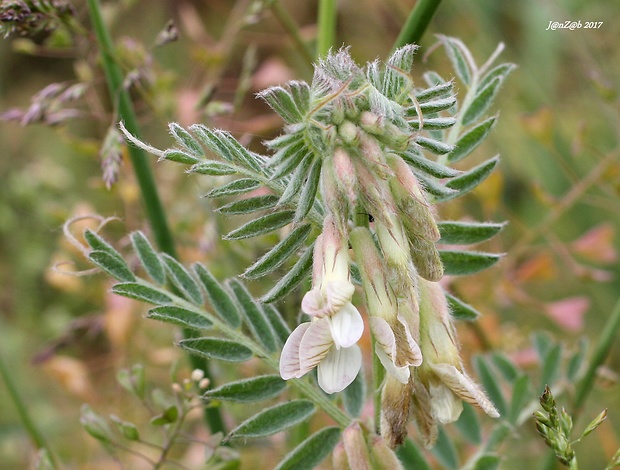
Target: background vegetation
[63, 339]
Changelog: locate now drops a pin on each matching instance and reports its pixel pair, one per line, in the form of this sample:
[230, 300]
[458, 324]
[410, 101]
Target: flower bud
[344, 174]
[355, 447]
[349, 132]
[382, 456]
[374, 157]
[393, 242]
[395, 406]
[339, 458]
[371, 123]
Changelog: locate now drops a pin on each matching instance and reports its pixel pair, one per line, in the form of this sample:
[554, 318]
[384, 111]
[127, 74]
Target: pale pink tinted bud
[355, 447]
[382, 456]
[339, 458]
[344, 173]
[349, 132]
[374, 157]
[371, 123]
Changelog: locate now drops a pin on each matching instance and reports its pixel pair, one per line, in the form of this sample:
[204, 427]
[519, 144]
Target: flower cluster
[364, 128]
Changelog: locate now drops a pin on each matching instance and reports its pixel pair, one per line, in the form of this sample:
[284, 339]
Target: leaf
[444, 451]
[487, 462]
[468, 142]
[148, 257]
[127, 429]
[300, 91]
[411, 457]
[490, 384]
[459, 263]
[312, 451]
[182, 279]
[240, 154]
[469, 425]
[542, 343]
[281, 101]
[439, 191]
[275, 257]
[287, 159]
[435, 169]
[482, 101]
[467, 233]
[211, 141]
[456, 52]
[498, 434]
[509, 371]
[433, 124]
[265, 224]
[180, 316]
[500, 71]
[185, 139]
[94, 424]
[111, 264]
[460, 310]
[137, 291]
[435, 106]
[99, 244]
[521, 396]
[596, 422]
[220, 300]
[278, 324]
[470, 179]
[249, 390]
[441, 89]
[256, 319]
[179, 156]
[217, 348]
[296, 181]
[308, 193]
[576, 360]
[170, 415]
[273, 420]
[433, 79]
[292, 279]
[250, 204]
[239, 186]
[212, 168]
[434, 146]
[354, 396]
[551, 365]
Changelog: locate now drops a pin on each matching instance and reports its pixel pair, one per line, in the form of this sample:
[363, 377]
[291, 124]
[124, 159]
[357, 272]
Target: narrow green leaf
[256, 319]
[285, 140]
[433, 79]
[460, 263]
[509, 371]
[136, 291]
[467, 233]
[127, 429]
[240, 154]
[456, 51]
[239, 186]
[148, 257]
[115, 267]
[460, 310]
[595, 423]
[435, 106]
[211, 141]
[99, 244]
[217, 348]
[440, 192]
[275, 257]
[498, 434]
[482, 101]
[411, 457]
[179, 156]
[441, 89]
[434, 169]
[281, 101]
[300, 91]
[395, 79]
[551, 366]
[94, 424]
[169, 416]
[265, 224]
[433, 124]
[354, 396]
[285, 160]
[312, 451]
[273, 420]
[278, 324]
[542, 343]
[576, 360]
[249, 390]
[472, 178]
[220, 300]
[182, 279]
[250, 204]
[297, 180]
[500, 71]
[487, 462]
[490, 384]
[308, 193]
[180, 316]
[469, 141]
[292, 279]
[521, 396]
[434, 146]
[469, 425]
[212, 168]
[186, 139]
[444, 451]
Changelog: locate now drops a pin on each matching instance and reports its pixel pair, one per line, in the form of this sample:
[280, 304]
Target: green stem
[601, 351]
[32, 430]
[292, 29]
[416, 24]
[152, 203]
[326, 35]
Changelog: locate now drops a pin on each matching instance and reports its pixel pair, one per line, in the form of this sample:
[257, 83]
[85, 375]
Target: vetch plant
[352, 183]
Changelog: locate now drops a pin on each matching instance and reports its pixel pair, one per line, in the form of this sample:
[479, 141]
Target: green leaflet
[551, 365]
[275, 257]
[487, 462]
[461, 263]
[354, 396]
[296, 181]
[482, 101]
[469, 425]
[300, 91]
[470, 179]
[467, 233]
[256, 319]
[99, 244]
[137, 291]
[470, 140]
[434, 169]
[250, 204]
[249, 390]
[211, 141]
[240, 154]
[490, 383]
[148, 257]
[521, 396]
[456, 52]
[180, 156]
[509, 371]
[434, 146]
[180, 317]
[186, 140]
[435, 106]
[445, 451]
[312, 451]
[265, 224]
[217, 348]
[575, 362]
[438, 90]
[298, 273]
[308, 193]
[500, 71]
[411, 457]
[273, 420]
[433, 124]
[239, 186]
[182, 279]
[212, 168]
[282, 102]
[439, 191]
[114, 266]
[278, 324]
[460, 310]
[220, 300]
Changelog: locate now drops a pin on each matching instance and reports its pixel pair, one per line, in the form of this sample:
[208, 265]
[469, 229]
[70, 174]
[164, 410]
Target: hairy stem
[416, 23]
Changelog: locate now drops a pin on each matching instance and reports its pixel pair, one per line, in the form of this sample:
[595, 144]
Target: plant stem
[152, 203]
[35, 435]
[326, 35]
[416, 23]
[292, 29]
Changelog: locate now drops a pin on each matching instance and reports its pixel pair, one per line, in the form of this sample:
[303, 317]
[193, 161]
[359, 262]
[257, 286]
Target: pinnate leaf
[182, 279]
[262, 225]
[468, 142]
[180, 316]
[220, 300]
[467, 233]
[460, 263]
[113, 265]
[138, 291]
[460, 310]
[249, 390]
[217, 348]
[148, 257]
[312, 451]
[292, 279]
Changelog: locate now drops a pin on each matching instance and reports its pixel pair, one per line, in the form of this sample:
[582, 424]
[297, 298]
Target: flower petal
[315, 344]
[411, 353]
[289, 359]
[346, 326]
[339, 368]
[312, 303]
[464, 387]
[445, 405]
[399, 373]
[422, 412]
[338, 292]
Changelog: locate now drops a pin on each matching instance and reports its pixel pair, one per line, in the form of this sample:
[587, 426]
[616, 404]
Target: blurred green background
[63, 338]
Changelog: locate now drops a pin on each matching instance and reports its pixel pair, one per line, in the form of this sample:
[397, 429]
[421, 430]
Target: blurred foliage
[558, 133]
